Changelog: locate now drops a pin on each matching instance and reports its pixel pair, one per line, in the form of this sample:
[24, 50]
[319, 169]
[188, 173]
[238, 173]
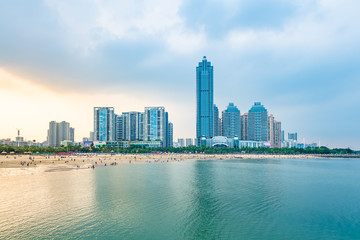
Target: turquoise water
[235, 199]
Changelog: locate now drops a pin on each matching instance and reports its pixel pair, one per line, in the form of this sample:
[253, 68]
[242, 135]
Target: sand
[81, 161]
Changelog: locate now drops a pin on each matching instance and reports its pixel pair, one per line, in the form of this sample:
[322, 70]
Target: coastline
[81, 161]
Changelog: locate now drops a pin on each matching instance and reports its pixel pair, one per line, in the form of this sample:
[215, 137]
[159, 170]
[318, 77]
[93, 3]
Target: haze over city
[300, 59]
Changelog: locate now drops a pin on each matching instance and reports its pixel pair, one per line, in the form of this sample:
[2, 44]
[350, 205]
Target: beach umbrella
[12, 152]
[3, 152]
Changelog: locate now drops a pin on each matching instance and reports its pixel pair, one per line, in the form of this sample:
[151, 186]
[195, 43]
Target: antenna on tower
[18, 131]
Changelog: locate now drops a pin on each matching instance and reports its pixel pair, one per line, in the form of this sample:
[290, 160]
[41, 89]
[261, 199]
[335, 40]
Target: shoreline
[89, 160]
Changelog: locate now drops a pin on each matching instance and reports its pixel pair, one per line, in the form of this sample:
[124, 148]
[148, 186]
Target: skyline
[299, 59]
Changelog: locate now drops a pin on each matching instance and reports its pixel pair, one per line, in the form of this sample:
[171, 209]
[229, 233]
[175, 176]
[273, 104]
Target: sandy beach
[66, 162]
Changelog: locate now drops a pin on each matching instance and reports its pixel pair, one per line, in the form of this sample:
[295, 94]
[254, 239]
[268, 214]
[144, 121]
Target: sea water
[215, 199]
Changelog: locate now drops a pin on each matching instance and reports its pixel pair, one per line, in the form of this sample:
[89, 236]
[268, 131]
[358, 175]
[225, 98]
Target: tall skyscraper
[59, 132]
[244, 126]
[155, 127]
[271, 132]
[104, 124]
[217, 122]
[231, 125]
[282, 135]
[204, 100]
[258, 123]
[277, 134]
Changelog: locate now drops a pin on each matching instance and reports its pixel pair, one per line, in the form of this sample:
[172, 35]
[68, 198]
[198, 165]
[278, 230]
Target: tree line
[191, 149]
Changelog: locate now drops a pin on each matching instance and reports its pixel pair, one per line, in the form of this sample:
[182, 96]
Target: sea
[206, 199]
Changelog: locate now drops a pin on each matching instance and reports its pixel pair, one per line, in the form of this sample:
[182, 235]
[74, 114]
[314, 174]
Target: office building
[104, 124]
[282, 135]
[204, 100]
[244, 126]
[188, 142]
[231, 124]
[258, 123]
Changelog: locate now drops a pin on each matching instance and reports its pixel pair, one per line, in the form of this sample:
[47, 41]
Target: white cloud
[319, 29]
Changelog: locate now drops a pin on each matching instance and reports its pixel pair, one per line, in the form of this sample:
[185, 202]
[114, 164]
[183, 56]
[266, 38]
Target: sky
[299, 58]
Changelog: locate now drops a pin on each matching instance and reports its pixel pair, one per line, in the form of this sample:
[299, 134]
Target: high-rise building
[292, 136]
[133, 126]
[271, 132]
[277, 134]
[119, 126]
[244, 126]
[188, 142]
[155, 127]
[52, 134]
[170, 136]
[282, 135]
[231, 125]
[217, 122]
[59, 132]
[104, 124]
[64, 131]
[72, 134]
[258, 123]
[204, 100]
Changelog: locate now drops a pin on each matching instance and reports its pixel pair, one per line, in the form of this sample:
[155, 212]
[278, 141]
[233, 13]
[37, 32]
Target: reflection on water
[238, 199]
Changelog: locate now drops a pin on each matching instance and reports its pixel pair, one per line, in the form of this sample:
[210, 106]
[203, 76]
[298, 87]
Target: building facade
[72, 134]
[170, 135]
[244, 126]
[277, 134]
[119, 127]
[258, 123]
[271, 130]
[133, 126]
[155, 124]
[58, 132]
[181, 142]
[292, 136]
[204, 100]
[104, 124]
[217, 122]
[188, 142]
[231, 124]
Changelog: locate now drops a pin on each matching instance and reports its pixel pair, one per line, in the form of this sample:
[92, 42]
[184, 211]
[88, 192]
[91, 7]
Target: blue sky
[299, 58]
